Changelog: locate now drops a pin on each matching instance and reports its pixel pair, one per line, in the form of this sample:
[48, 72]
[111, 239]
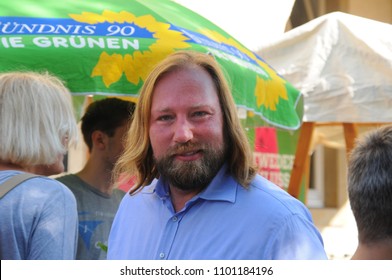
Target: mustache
[182, 148]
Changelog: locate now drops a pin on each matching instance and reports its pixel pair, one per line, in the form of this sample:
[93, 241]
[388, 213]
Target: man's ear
[99, 140]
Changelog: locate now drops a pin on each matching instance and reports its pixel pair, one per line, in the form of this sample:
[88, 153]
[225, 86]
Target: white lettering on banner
[12, 28]
[23, 28]
[124, 31]
[80, 42]
[279, 178]
[12, 42]
[275, 167]
[274, 160]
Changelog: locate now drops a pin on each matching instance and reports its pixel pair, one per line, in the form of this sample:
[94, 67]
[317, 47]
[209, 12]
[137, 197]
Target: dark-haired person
[103, 126]
[370, 194]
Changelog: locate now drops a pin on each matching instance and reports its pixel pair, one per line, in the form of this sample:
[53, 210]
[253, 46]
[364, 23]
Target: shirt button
[175, 219]
[162, 255]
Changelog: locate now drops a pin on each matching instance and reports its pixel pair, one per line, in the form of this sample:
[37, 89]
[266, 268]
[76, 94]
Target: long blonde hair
[137, 158]
[36, 115]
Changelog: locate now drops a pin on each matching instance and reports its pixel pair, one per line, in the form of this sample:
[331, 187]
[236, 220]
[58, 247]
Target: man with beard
[103, 125]
[197, 194]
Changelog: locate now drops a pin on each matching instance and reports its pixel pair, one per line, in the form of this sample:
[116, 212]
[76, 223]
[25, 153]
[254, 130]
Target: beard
[191, 175]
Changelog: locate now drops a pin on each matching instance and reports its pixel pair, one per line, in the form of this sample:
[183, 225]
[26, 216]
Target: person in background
[370, 194]
[38, 217]
[197, 194]
[103, 127]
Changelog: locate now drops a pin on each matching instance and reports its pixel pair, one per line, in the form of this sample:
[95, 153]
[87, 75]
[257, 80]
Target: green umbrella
[107, 48]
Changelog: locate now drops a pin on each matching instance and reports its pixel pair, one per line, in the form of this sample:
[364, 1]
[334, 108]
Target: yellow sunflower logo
[268, 92]
[137, 65]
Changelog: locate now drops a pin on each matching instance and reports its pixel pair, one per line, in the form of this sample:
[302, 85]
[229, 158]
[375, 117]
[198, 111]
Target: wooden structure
[342, 64]
[301, 161]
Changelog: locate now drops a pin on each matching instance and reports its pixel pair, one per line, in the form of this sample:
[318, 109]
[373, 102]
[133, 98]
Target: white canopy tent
[343, 66]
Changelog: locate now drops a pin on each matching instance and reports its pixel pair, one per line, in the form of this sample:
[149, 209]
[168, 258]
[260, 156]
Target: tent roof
[342, 64]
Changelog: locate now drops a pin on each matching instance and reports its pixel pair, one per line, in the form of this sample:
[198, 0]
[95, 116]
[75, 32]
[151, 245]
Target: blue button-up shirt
[224, 221]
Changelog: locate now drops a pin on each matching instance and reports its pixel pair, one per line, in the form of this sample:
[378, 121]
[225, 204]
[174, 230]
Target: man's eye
[165, 118]
[199, 114]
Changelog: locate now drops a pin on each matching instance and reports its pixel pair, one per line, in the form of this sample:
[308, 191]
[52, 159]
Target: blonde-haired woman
[38, 216]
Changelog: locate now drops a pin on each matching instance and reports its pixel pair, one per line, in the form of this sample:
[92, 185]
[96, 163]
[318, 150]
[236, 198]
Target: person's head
[186, 123]
[104, 125]
[36, 121]
[370, 185]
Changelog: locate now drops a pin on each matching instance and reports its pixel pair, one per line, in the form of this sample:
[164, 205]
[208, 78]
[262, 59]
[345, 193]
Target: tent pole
[301, 155]
[350, 134]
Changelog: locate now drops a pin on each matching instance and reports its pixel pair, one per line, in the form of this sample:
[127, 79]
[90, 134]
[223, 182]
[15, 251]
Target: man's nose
[183, 131]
